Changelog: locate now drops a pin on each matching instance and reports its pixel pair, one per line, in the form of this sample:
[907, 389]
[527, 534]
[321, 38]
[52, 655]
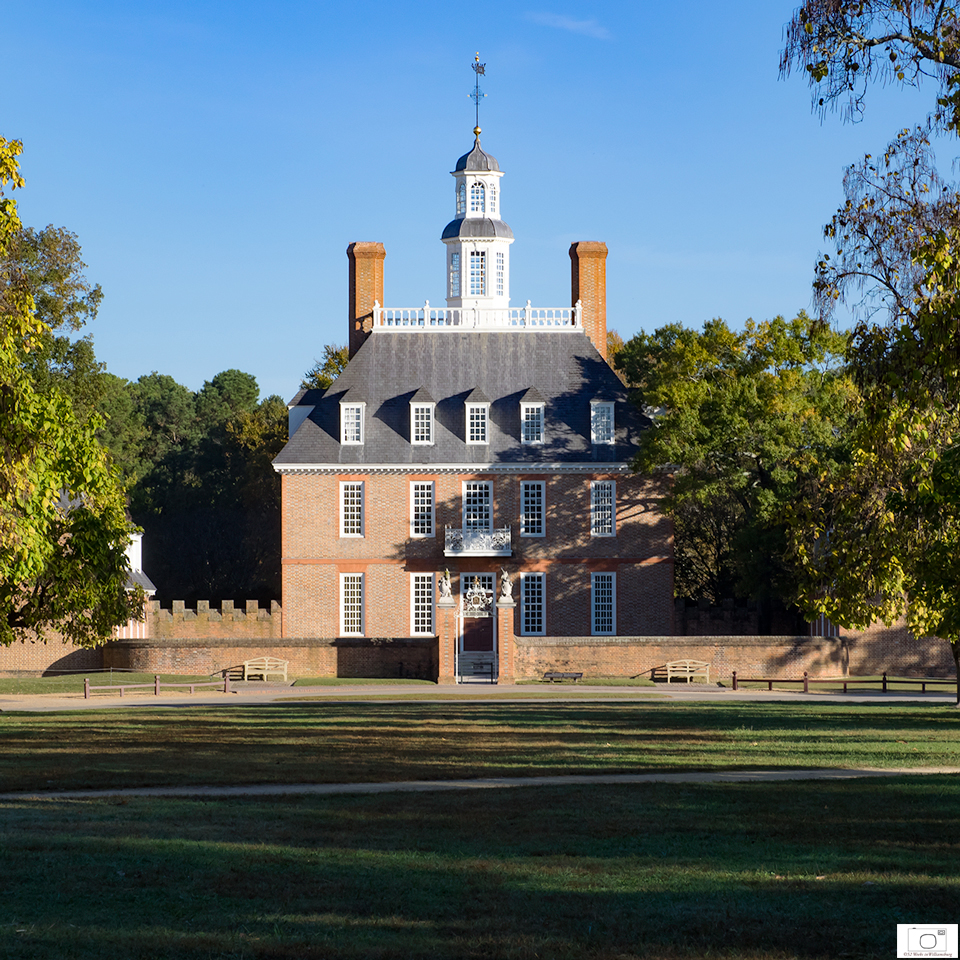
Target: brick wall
[34, 657]
[315, 555]
[373, 657]
[204, 620]
[872, 652]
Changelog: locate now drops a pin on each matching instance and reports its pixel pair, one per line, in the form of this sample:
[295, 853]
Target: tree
[876, 535]
[740, 416]
[325, 371]
[63, 527]
[844, 45]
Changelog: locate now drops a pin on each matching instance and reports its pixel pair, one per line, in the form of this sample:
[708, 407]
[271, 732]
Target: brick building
[483, 440]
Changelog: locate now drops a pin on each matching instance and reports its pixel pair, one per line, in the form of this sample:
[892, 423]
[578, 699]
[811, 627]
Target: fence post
[156, 684]
[86, 688]
[806, 687]
[226, 681]
[734, 679]
[884, 681]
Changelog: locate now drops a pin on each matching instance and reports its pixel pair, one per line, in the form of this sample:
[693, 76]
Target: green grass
[74, 682]
[345, 741]
[733, 871]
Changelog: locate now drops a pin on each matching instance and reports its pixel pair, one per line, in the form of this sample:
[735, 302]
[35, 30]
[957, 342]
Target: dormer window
[351, 423]
[478, 198]
[478, 429]
[421, 423]
[461, 199]
[531, 423]
[602, 429]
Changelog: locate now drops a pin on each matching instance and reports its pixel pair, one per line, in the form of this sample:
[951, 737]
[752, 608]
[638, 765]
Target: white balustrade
[464, 542]
[477, 318]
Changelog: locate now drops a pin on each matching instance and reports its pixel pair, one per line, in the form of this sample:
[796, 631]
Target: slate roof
[473, 227]
[476, 159]
[391, 368]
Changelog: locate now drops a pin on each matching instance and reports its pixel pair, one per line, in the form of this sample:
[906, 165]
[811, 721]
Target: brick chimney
[366, 285]
[588, 284]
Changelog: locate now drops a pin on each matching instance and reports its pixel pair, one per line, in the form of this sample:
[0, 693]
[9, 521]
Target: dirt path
[489, 783]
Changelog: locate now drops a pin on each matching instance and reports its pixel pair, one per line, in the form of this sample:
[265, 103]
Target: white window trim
[413, 606]
[413, 509]
[524, 407]
[524, 578]
[593, 605]
[363, 606]
[363, 510]
[343, 424]
[613, 507]
[543, 504]
[595, 407]
[414, 407]
[485, 407]
[463, 493]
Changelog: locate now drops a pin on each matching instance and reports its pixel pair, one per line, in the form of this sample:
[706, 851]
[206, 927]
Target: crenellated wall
[229, 621]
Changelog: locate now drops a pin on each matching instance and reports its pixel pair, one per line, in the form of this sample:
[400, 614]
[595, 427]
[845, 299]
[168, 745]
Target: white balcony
[477, 318]
[459, 542]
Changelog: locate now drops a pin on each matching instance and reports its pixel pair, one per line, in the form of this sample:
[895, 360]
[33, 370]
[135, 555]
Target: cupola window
[454, 274]
[478, 273]
[478, 202]
[493, 198]
[461, 199]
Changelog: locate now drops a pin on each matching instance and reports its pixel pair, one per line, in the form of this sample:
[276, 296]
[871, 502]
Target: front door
[478, 657]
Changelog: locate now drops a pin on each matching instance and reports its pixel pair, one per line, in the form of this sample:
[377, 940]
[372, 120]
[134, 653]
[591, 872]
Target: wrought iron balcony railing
[459, 542]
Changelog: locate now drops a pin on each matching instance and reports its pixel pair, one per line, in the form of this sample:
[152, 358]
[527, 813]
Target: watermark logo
[922, 940]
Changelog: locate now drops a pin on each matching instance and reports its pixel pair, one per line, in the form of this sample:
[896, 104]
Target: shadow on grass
[354, 742]
[734, 870]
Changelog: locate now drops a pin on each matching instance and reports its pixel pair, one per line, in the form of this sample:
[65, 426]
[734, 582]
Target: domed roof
[477, 160]
[473, 227]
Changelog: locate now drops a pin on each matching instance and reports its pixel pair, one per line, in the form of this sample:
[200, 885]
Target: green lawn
[329, 742]
[735, 871]
[30, 686]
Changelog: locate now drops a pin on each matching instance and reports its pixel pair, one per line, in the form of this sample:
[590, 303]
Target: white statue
[506, 584]
[445, 589]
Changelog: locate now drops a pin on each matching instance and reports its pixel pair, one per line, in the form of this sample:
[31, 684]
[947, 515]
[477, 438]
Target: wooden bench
[554, 675]
[264, 667]
[688, 669]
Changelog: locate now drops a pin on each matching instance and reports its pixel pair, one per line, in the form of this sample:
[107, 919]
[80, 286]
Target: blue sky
[215, 159]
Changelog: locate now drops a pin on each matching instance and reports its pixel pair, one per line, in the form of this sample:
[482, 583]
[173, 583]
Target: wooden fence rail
[884, 681]
[156, 686]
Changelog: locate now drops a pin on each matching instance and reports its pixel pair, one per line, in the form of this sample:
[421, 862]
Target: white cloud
[589, 28]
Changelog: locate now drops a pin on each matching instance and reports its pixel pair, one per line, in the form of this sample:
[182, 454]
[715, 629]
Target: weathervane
[477, 95]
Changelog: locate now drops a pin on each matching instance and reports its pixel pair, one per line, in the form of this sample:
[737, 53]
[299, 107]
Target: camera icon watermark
[922, 940]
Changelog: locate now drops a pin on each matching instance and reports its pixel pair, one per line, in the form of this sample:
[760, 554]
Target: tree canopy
[63, 526]
[739, 416]
[325, 371]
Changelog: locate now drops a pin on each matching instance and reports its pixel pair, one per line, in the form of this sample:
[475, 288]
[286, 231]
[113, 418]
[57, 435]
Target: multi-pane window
[531, 508]
[532, 603]
[601, 423]
[477, 422]
[531, 423]
[421, 423]
[351, 509]
[478, 273]
[422, 590]
[351, 604]
[477, 198]
[454, 274]
[421, 509]
[501, 261]
[351, 423]
[603, 604]
[461, 199]
[477, 505]
[493, 198]
[603, 510]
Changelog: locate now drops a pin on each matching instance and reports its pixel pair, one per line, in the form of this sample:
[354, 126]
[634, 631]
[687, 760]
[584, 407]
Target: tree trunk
[955, 650]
